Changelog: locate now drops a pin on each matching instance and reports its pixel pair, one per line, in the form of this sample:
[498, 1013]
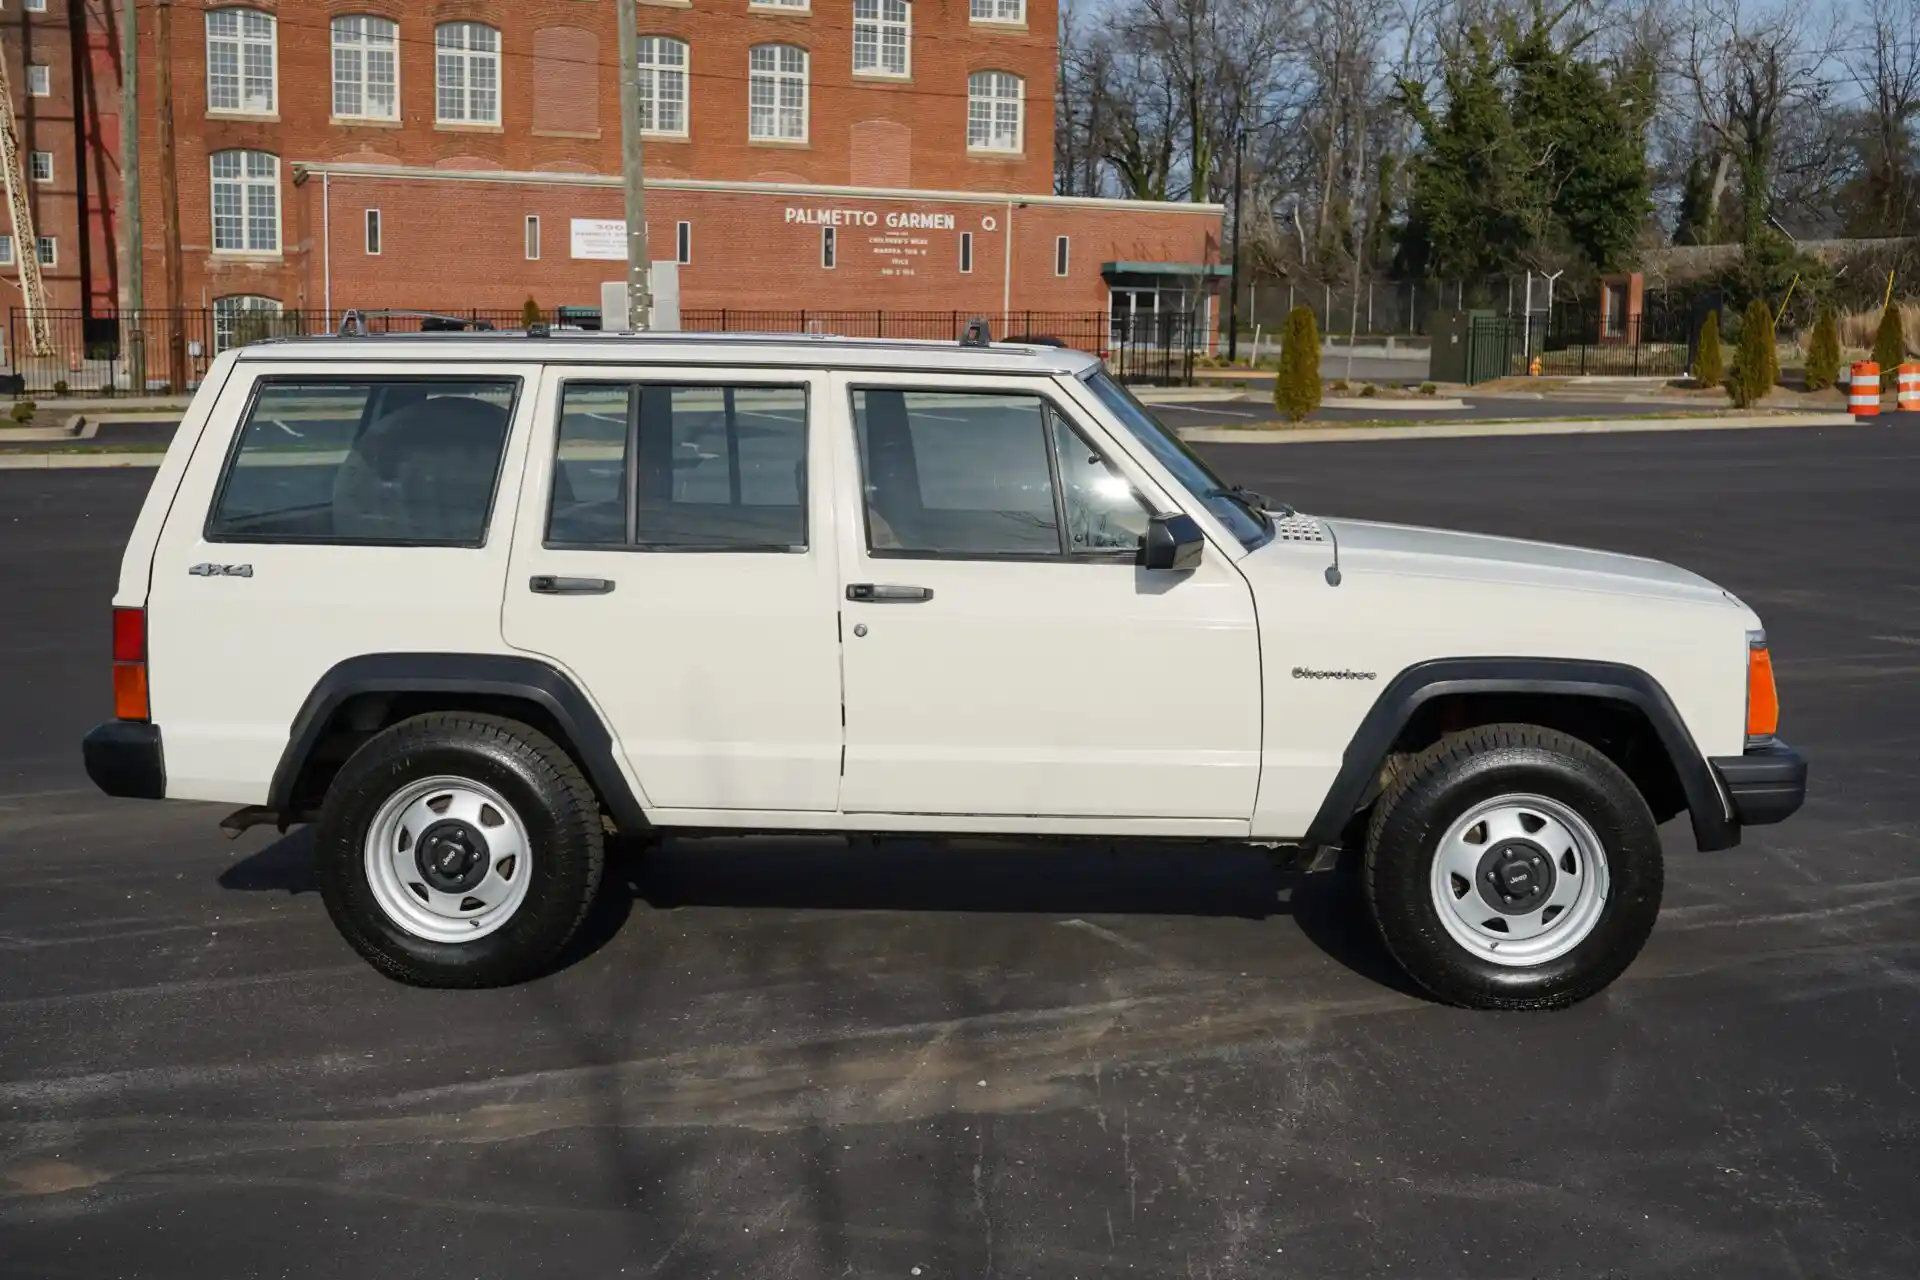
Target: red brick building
[873, 154]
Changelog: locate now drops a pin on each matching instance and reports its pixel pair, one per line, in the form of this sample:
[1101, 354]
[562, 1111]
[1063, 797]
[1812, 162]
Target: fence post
[879, 324]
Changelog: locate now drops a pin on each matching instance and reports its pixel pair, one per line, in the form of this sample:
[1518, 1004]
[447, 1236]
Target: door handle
[546, 584]
[884, 593]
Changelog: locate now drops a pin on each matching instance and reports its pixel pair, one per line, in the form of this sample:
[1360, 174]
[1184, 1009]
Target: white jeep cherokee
[469, 602]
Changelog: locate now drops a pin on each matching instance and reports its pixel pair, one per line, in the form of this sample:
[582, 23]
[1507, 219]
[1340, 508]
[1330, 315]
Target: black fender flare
[1713, 826]
[488, 674]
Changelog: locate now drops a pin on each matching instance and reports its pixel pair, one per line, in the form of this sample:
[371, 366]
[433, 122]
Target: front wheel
[1513, 867]
[459, 850]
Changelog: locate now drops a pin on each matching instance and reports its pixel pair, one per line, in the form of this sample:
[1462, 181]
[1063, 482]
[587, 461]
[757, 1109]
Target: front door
[670, 555]
[1003, 653]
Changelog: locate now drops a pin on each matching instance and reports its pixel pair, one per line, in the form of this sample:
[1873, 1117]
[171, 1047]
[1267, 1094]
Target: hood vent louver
[1298, 528]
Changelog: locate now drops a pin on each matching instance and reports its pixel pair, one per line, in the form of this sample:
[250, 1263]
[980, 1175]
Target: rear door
[1004, 653]
[674, 552]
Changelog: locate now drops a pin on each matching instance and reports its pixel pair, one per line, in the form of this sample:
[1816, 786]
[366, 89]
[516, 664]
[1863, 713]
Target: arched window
[663, 85]
[995, 104]
[777, 93]
[246, 202]
[241, 318]
[366, 67]
[466, 71]
[240, 61]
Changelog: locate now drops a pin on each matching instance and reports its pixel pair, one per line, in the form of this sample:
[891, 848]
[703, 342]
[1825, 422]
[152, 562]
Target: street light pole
[639, 288]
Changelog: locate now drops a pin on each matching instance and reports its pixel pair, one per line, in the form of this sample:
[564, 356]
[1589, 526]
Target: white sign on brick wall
[601, 239]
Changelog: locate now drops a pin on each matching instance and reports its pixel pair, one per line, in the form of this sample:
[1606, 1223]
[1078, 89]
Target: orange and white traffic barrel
[1909, 386]
[1863, 397]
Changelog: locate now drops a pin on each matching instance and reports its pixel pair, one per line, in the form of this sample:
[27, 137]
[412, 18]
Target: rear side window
[655, 467]
[376, 461]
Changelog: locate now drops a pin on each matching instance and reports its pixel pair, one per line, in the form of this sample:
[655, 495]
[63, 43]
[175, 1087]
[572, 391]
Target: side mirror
[1173, 542]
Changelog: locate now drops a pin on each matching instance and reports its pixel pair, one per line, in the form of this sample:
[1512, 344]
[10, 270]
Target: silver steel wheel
[1519, 880]
[448, 859]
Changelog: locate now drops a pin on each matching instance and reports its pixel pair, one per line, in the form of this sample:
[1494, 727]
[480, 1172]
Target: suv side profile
[471, 602]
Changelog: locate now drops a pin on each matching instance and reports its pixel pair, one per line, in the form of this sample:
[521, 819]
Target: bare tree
[1884, 63]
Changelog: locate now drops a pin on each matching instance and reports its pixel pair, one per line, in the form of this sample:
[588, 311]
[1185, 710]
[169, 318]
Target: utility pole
[639, 267]
[1233, 294]
[133, 344]
[170, 198]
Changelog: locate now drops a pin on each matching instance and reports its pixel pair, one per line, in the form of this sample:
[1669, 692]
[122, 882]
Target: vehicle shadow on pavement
[1069, 879]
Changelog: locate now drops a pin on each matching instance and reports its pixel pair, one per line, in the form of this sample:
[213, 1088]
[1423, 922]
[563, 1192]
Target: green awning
[1165, 269]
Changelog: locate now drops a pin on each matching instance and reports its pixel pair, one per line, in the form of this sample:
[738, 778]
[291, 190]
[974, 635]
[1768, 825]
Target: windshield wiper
[1257, 504]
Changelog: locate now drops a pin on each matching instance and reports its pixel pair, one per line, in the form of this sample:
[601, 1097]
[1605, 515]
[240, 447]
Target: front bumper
[1767, 784]
[124, 759]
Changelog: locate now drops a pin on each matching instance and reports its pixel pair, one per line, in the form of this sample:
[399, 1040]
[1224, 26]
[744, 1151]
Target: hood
[1438, 553]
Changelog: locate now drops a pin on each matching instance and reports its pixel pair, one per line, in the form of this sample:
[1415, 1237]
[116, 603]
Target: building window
[35, 6]
[777, 93]
[41, 165]
[466, 70]
[533, 237]
[373, 233]
[663, 86]
[880, 31]
[49, 252]
[6, 251]
[997, 10]
[229, 327]
[789, 5]
[966, 252]
[39, 81]
[994, 106]
[1060, 255]
[366, 67]
[683, 242]
[240, 57]
[246, 202]
[826, 247]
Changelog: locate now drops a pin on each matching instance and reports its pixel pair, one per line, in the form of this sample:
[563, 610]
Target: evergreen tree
[1709, 366]
[1296, 386]
[1889, 345]
[1823, 352]
[529, 314]
[1752, 376]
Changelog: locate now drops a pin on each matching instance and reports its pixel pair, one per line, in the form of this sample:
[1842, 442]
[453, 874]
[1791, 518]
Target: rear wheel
[459, 850]
[1513, 867]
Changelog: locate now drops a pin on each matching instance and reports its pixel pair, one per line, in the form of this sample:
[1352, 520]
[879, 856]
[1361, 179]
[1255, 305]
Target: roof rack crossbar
[353, 324]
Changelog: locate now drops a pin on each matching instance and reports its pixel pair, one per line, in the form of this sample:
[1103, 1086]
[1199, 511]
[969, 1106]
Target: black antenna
[977, 334]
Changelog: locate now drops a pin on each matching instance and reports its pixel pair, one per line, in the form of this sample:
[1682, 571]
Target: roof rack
[354, 323]
[977, 334]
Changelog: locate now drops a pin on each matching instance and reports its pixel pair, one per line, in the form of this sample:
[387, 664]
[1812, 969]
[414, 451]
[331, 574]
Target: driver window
[1104, 513]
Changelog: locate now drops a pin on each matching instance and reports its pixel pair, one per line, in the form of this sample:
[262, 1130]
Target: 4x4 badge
[222, 571]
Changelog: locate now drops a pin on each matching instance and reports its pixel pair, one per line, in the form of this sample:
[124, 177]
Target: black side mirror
[1173, 542]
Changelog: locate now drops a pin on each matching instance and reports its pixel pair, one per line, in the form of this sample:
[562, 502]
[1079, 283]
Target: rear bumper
[124, 759]
[1767, 784]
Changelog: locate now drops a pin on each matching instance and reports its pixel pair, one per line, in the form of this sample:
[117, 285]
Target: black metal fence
[1581, 343]
[160, 352]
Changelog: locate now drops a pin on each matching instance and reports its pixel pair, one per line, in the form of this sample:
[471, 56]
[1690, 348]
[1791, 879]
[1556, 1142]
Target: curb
[1186, 395]
[1425, 404]
[1538, 427]
[77, 461]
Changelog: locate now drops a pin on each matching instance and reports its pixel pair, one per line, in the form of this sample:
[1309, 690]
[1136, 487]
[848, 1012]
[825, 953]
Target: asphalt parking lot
[796, 1058]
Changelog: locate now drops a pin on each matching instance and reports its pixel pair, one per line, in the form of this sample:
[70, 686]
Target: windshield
[1243, 518]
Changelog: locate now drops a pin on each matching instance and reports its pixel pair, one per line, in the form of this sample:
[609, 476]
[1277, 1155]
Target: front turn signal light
[1763, 700]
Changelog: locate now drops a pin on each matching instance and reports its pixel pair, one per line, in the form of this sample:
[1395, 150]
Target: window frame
[265, 380]
[468, 56]
[881, 24]
[44, 87]
[365, 48]
[33, 159]
[829, 249]
[782, 6]
[7, 257]
[993, 101]
[47, 249]
[213, 311]
[530, 237]
[240, 41]
[630, 474]
[651, 71]
[683, 243]
[778, 77]
[1062, 255]
[33, 6]
[996, 19]
[966, 253]
[244, 182]
[1052, 409]
[373, 229]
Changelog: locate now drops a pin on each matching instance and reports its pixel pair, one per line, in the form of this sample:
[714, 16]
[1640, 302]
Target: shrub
[60, 387]
[23, 411]
[529, 314]
[1709, 366]
[1428, 389]
[1296, 387]
[1751, 376]
[1368, 390]
[1823, 352]
[1889, 346]
[1338, 384]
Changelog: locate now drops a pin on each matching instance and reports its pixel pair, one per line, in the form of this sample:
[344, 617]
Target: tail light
[1763, 700]
[130, 664]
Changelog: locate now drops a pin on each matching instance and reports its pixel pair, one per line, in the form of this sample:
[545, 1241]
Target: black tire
[1422, 800]
[526, 769]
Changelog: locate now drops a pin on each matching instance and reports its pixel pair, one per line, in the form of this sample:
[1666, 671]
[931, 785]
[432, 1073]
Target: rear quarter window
[387, 461]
